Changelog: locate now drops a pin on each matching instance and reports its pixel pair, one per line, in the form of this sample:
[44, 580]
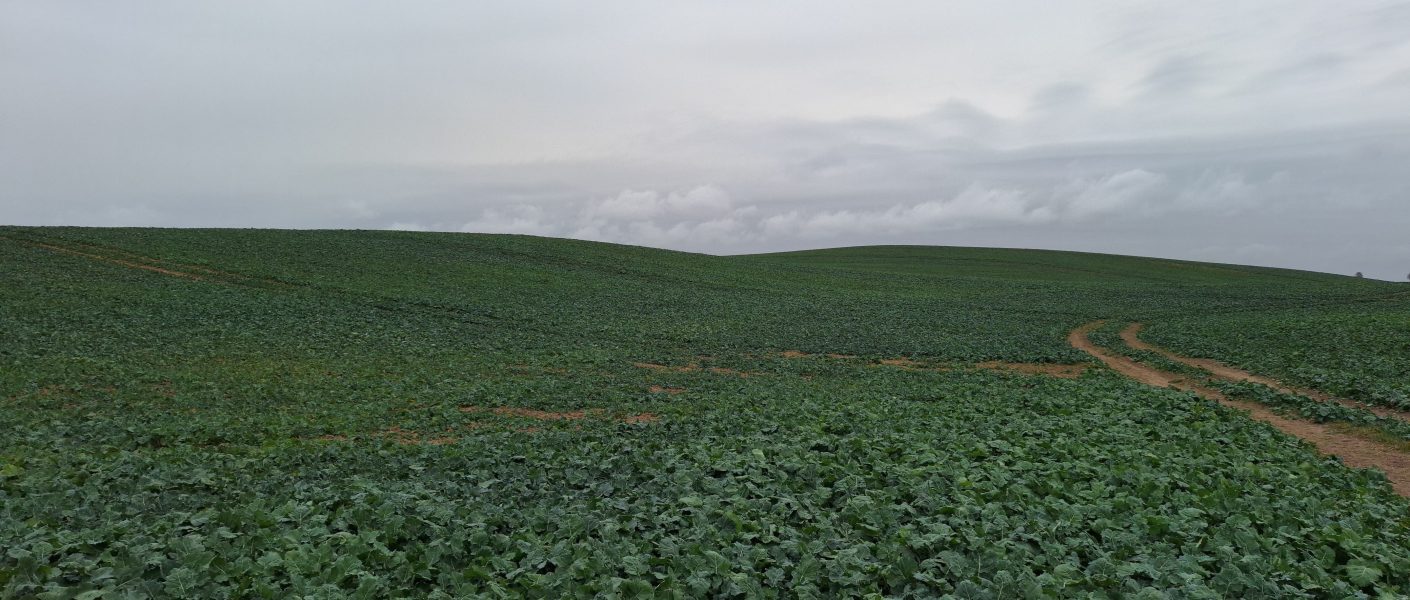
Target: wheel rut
[1131, 335]
[112, 260]
[131, 260]
[1352, 450]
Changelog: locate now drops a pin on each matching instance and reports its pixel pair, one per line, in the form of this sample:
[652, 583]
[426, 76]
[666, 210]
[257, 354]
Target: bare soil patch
[658, 389]
[1052, 370]
[801, 354]
[407, 437]
[903, 362]
[692, 368]
[401, 436]
[547, 415]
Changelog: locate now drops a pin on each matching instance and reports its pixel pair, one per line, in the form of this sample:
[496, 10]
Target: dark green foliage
[246, 435]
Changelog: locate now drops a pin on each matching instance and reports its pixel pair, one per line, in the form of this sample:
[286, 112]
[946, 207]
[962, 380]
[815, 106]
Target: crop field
[279, 414]
[1359, 350]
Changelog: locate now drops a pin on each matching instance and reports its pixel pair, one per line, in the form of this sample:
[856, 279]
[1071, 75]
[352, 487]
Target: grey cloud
[1210, 130]
[708, 216]
[1061, 96]
[1307, 69]
[1176, 76]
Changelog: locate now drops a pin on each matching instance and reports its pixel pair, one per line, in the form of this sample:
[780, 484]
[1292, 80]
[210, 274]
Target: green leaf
[181, 582]
[1362, 573]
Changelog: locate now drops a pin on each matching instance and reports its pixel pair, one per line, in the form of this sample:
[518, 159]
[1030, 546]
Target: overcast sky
[1270, 133]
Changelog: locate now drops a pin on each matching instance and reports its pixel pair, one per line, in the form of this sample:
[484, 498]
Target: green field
[389, 414]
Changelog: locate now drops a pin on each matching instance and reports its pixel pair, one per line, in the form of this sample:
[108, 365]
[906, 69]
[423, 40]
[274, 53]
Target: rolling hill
[263, 413]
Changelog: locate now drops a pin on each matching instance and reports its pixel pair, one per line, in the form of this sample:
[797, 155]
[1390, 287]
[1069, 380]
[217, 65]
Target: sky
[1267, 133]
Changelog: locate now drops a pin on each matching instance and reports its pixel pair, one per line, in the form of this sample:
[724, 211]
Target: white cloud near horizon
[708, 218]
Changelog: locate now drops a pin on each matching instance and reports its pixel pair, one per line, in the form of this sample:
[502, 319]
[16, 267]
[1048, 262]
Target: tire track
[1352, 450]
[109, 259]
[1219, 370]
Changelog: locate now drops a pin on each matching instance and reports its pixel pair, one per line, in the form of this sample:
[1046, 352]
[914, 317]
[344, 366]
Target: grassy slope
[146, 413]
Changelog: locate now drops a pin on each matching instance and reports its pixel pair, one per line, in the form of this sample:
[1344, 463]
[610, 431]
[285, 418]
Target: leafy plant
[314, 414]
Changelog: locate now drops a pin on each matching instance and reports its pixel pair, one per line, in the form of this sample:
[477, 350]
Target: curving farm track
[1353, 450]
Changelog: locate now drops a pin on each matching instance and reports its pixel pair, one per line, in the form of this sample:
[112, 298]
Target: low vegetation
[244, 413]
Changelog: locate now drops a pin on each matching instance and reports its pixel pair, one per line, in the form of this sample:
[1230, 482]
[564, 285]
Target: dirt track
[1354, 451]
[134, 265]
[1131, 333]
[154, 265]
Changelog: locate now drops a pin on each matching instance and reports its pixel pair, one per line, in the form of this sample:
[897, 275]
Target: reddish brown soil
[656, 389]
[692, 368]
[1125, 366]
[402, 436]
[801, 354]
[544, 415]
[1353, 450]
[1131, 334]
[904, 363]
[1053, 370]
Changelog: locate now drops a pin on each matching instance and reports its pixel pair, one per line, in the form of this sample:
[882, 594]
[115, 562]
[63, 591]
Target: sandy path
[1353, 451]
[1131, 333]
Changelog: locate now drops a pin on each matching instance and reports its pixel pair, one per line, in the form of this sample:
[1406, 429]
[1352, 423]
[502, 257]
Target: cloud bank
[1207, 130]
[708, 217]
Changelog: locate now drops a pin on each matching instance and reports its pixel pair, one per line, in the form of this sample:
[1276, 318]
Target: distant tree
[1359, 275]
